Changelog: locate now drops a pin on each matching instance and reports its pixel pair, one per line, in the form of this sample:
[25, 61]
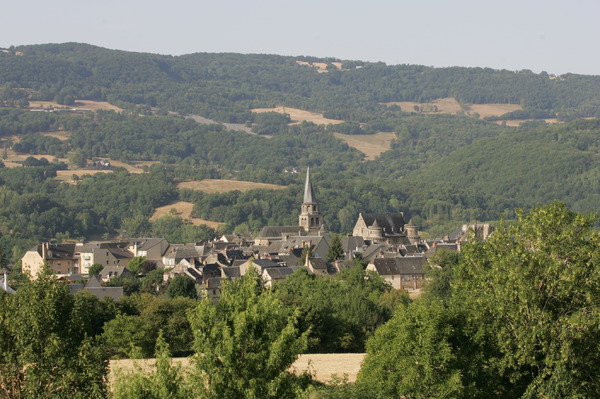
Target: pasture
[323, 367]
[223, 185]
[183, 210]
[372, 145]
[298, 115]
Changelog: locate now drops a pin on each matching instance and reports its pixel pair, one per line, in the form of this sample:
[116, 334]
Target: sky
[553, 36]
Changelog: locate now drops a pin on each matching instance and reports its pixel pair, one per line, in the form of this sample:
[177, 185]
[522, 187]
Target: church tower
[310, 218]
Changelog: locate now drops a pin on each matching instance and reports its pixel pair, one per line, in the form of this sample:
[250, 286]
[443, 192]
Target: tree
[182, 286]
[335, 251]
[536, 284]
[416, 355]
[135, 264]
[165, 381]
[45, 349]
[94, 269]
[246, 342]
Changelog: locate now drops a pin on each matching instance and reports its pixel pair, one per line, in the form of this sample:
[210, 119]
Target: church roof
[309, 194]
[391, 223]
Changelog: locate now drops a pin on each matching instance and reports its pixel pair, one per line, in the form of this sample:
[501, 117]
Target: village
[388, 244]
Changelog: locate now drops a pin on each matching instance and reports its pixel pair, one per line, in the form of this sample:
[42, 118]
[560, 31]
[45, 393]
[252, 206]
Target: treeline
[225, 86]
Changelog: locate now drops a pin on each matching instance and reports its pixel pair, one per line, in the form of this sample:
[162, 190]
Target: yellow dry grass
[323, 366]
[67, 174]
[441, 105]
[485, 110]
[451, 106]
[519, 122]
[372, 145]
[320, 66]
[183, 210]
[298, 115]
[223, 185]
[79, 104]
[130, 168]
[61, 135]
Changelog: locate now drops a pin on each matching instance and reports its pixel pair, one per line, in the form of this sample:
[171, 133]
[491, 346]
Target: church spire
[310, 218]
[309, 195]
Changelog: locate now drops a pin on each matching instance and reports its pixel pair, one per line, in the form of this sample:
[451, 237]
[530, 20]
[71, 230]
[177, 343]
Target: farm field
[485, 110]
[298, 115]
[451, 106]
[223, 185]
[372, 145]
[61, 135]
[79, 104]
[184, 211]
[323, 366]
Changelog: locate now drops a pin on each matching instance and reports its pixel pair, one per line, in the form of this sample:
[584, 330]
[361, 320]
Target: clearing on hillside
[451, 106]
[85, 105]
[321, 67]
[372, 145]
[183, 210]
[61, 135]
[223, 185]
[485, 110]
[298, 115]
[323, 366]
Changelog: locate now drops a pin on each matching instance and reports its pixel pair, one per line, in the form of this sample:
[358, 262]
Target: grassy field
[61, 135]
[223, 186]
[372, 145]
[184, 211]
[451, 106]
[485, 110]
[298, 115]
[323, 366]
[79, 104]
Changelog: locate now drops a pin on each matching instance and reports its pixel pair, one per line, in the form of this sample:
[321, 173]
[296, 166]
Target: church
[310, 221]
[390, 228]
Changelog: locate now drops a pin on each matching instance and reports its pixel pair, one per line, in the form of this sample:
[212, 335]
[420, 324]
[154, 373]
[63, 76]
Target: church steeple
[309, 218]
[309, 195]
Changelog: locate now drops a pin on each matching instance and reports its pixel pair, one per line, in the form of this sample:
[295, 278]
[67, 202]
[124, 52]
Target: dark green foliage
[96, 268]
[340, 313]
[136, 329]
[48, 343]
[270, 123]
[520, 318]
[246, 343]
[335, 250]
[182, 286]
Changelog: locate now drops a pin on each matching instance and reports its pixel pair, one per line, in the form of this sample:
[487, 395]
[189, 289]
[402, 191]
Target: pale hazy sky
[553, 36]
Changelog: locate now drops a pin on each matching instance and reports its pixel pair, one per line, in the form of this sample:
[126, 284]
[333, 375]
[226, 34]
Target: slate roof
[391, 223]
[399, 266]
[279, 231]
[264, 263]
[182, 252]
[309, 194]
[349, 244]
[446, 246]
[318, 263]
[231, 272]
[57, 251]
[278, 273]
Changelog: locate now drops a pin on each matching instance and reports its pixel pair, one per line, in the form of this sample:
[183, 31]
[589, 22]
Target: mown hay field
[224, 185]
[323, 367]
[372, 145]
[183, 210]
[298, 115]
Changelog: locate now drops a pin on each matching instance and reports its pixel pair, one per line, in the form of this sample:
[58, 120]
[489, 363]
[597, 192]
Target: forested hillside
[441, 169]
